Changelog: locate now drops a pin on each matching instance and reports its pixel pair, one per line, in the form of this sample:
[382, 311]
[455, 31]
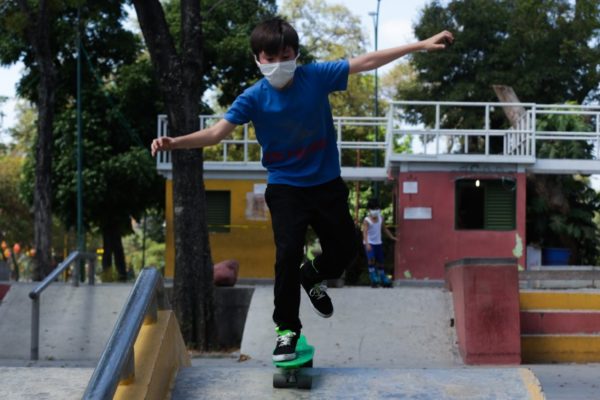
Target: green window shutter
[499, 206]
[218, 210]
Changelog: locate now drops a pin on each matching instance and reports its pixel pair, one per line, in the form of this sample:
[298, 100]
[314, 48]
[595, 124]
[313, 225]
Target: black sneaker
[320, 300]
[285, 348]
[317, 292]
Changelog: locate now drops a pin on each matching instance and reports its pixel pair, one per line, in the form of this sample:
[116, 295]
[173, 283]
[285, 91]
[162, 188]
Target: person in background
[372, 228]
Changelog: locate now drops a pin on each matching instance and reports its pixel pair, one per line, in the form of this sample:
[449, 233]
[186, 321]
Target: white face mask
[278, 74]
[374, 213]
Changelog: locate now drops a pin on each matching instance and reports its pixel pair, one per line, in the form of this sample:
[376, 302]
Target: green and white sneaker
[285, 348]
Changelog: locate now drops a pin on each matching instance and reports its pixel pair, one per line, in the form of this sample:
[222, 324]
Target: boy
[292, 117]
[373, 225]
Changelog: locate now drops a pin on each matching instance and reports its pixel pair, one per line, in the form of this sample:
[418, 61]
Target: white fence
[457, 132]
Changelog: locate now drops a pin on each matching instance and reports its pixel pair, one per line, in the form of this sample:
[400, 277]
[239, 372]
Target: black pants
[293, 209]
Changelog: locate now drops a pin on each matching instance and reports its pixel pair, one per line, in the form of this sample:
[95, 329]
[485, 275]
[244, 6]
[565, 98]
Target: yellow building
[239, 226]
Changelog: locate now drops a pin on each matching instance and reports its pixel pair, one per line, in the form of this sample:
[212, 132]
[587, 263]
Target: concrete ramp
[75, 322]
[399, 327]
[361, 383]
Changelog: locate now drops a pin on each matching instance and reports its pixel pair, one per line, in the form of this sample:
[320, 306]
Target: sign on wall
[417, 213]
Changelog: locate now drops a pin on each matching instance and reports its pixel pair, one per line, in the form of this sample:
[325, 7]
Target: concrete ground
[400, 327]
[45, 383]
[359, 383]
[558, 381]
[370, 348]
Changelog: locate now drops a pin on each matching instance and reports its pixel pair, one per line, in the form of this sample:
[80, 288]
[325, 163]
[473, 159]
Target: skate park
[370, 356]
[492, 200]
[482, 328]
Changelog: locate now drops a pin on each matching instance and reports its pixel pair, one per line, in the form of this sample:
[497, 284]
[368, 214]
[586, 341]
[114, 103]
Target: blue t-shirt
[294, 126]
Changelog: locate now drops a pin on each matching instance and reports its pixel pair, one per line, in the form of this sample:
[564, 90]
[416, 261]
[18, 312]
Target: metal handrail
[35, 294]
[117, 360]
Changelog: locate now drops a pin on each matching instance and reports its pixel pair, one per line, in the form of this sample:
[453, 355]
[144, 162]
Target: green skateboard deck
[290, 373]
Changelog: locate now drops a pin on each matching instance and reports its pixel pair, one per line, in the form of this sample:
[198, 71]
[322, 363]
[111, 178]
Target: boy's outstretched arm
[376, 59]
[206, 137]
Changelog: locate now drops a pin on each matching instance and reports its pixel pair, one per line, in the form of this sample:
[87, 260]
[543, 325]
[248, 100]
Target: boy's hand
[164, 143]
[439, 41]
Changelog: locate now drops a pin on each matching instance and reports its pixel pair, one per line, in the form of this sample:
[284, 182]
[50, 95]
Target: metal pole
[375, 16]
[35, 328]
[144, 242]
[80, 244]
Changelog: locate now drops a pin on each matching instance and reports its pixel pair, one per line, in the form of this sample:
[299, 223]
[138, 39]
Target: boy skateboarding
[291, 114]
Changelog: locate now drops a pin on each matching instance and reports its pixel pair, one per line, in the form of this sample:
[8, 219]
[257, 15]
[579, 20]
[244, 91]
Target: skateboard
[291, 373]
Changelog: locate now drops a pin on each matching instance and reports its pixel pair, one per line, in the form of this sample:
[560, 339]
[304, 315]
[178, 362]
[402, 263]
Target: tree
[111, 196]
[180, 62]
[547, 51]
[119, 177]
[27, 24]
[561, 209]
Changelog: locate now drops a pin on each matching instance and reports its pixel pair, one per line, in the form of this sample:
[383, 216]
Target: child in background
[373, 225]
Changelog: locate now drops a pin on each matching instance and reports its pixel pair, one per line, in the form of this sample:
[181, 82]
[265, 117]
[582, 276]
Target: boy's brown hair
[272, 36]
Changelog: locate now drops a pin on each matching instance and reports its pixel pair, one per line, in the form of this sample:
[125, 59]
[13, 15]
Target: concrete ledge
[362, 383]
[231, 309]
[159, 354]
[486, 305]
[560, 277]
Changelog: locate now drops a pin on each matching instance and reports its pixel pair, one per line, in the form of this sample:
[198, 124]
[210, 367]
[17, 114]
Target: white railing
[490, 136]
[229, 154]
[518, 142]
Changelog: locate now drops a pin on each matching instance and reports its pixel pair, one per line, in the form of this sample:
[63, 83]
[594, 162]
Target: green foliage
[333, 32]
[561, 209]
[119, 107]
[328, 32]
[545, 50]
[152, 253]
[16, 221]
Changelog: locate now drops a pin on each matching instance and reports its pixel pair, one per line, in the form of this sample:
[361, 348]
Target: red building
[460, 192]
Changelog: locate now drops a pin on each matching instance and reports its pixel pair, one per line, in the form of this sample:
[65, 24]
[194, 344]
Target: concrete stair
[560, 326]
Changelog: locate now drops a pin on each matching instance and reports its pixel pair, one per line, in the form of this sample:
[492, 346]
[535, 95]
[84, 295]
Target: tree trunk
[113, 250]
[107, 246]
[38, 34]
[179, 77]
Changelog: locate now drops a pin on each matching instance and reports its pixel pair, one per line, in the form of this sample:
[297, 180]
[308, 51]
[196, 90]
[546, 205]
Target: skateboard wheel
[280, 381]
[304, 381]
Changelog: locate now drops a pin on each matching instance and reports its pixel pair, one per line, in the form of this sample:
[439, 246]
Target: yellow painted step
[563, 300]
[560, 348]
